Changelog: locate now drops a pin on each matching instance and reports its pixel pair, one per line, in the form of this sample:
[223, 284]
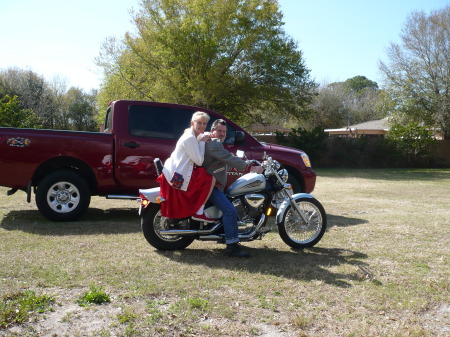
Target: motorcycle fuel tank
[250, 182]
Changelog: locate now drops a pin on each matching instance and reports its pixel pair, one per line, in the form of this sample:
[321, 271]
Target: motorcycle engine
[248, 206]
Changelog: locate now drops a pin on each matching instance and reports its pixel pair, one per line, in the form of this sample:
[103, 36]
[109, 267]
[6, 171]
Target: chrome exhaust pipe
[206, 234]
[191, 232]
[241, 236]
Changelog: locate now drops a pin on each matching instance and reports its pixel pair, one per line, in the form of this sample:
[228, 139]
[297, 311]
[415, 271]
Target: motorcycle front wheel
[152, 223]
[298, 234]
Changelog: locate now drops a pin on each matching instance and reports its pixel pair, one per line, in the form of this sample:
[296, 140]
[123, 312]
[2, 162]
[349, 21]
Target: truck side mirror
[239, 137]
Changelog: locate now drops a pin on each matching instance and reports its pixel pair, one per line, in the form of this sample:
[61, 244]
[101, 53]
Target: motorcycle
[301, 219]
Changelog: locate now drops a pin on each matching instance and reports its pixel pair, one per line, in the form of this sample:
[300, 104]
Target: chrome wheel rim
[297, 229]
[63, 197]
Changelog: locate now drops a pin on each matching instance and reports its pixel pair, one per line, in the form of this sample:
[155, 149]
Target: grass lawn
[381, 269]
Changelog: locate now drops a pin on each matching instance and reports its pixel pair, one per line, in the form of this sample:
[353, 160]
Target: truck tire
[63, 196]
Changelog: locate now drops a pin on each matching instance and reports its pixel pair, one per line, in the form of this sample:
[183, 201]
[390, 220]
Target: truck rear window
[165, 122]
[158, 122]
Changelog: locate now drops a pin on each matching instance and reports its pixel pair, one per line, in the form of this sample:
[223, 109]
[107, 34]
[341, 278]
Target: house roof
[375, 125]
[266, 128]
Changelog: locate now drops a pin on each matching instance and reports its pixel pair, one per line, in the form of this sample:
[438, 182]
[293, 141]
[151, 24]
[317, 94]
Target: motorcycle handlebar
[255, 162]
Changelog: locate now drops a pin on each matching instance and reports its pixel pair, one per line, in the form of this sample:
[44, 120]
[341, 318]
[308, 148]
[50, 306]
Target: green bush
[413, 144]
[12, 115]
[95, 296]
[312, 142]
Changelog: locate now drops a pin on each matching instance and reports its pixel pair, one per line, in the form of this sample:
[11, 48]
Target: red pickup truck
[65, 168]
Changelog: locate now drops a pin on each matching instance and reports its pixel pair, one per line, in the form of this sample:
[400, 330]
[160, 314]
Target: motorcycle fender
[282, 209]
[150, 194]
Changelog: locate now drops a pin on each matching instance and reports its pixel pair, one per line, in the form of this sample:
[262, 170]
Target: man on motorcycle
[217, 161]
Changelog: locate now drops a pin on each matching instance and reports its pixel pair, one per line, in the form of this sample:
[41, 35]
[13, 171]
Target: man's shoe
[235, 250]
[203, 218]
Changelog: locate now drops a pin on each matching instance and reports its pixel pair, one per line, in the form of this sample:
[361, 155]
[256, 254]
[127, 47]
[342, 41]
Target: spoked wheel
[153, 223]
[298, 234]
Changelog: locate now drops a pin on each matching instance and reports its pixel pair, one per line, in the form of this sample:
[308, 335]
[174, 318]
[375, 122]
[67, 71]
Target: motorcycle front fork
[296, 207]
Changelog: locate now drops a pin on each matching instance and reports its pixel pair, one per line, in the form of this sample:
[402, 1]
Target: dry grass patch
[380, 270]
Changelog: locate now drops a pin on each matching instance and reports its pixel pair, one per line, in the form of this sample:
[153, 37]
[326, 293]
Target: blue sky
[339, 39]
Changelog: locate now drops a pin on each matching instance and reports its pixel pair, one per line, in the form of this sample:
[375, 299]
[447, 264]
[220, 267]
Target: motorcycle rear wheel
[295, 232]
[152, 224]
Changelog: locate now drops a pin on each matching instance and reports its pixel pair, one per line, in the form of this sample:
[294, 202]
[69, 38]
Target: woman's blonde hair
[200, 115]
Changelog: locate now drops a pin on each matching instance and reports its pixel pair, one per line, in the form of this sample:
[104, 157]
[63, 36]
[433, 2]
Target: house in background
[265, 129]
[376, 129]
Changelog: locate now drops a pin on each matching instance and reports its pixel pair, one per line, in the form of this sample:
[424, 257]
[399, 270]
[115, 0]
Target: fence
[367, 153]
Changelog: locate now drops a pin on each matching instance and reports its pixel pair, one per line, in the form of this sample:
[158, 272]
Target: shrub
[18, 307]
[95, 296]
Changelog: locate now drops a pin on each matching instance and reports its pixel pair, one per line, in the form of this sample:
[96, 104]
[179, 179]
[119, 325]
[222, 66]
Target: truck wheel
[63, 196]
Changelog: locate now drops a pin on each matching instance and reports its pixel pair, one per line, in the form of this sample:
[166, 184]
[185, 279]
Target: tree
[343, 103]
[232, 56]
[12, 115]
[81, 109]
[57, 112]
[329, 107]
[52, 103]
[359, 84]
[412, 142]
[418, 73]
[32, 92]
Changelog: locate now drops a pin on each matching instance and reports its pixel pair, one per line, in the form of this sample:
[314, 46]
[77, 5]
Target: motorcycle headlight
[283, 174]
[276, 165]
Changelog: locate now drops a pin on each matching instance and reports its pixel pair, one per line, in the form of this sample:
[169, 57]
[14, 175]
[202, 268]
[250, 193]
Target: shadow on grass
[343, 221]
[312, 264]
[110, 221]
[95, 221]
[309, 264]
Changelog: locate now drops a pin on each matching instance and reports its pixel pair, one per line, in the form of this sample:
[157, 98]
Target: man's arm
[217, 151]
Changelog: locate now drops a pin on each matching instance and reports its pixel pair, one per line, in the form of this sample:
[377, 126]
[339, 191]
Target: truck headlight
[306, 160]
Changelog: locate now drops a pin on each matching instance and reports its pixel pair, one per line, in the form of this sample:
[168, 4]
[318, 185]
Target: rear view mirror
[239, 137]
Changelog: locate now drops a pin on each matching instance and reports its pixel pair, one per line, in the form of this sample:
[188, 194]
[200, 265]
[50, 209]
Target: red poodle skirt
[181, 204]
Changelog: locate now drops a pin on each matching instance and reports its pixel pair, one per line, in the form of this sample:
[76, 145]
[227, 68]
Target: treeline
[28, 100]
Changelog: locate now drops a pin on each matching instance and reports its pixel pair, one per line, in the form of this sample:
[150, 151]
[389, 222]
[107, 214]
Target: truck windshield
[108, 121]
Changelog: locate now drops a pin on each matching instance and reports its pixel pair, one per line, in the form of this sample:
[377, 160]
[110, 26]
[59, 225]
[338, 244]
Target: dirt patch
[69, 319]
[437, 320]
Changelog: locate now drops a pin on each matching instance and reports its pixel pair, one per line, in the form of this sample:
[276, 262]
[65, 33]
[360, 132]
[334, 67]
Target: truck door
[151, 132]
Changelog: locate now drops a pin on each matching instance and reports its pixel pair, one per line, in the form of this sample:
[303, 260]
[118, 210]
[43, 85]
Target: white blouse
[188, 151]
